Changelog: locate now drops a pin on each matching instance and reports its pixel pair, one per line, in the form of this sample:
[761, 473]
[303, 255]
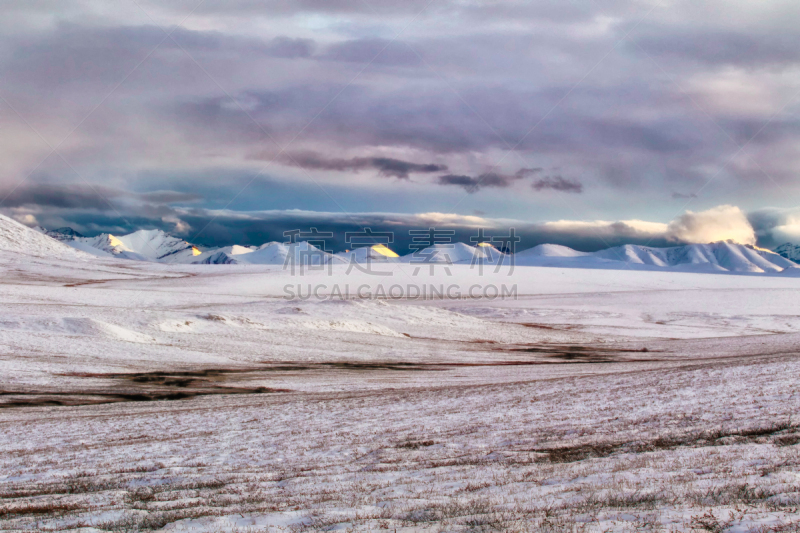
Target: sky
[585, 123]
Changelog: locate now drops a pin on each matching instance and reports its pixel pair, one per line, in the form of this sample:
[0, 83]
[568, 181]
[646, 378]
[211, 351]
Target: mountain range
[158, 246]
[711, 257]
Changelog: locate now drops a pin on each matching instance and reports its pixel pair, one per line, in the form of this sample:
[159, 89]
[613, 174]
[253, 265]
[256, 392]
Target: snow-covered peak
[375, 253]
[219, 256]
[155, 244]
[550, 250]
[454, 253]
[789, 251]
[146, 245]
[60, 234]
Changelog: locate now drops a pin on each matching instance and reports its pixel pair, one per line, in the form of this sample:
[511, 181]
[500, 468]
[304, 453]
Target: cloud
[255, 228]
[225, 227]
[249, 9]
[557, 183]
[632, 229]
[289, 48]
[329, 77]
[373, 51]
[69, 197]
[84, 54]
[386, 166]
[180, 227]
[82, 196]
[473, 184]
[788, 232]
[611, 129]
[750, 47]
[725, 222]
[720, 223]
[168, 197]
[494, 179]
[26, 218]
[683, 196]
[775, 226]
[487, 179]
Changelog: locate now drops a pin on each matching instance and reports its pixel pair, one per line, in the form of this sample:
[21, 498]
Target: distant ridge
[271, 253]
[789, 251]
[711, 257]
[61, 234]
[158, 246]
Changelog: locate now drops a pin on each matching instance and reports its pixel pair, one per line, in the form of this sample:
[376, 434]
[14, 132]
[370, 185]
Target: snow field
[591, 453]
[592, 400]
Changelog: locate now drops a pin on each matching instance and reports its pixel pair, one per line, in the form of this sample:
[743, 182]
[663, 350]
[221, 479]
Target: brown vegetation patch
[778, 434]
[566, 354]
[413, 445]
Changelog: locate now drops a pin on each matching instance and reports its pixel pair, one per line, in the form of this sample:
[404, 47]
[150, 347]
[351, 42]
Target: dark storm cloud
[223, 228]
[774, 226]
[73, 197]
[558, 183]
[168, 197]
[82, 196]
[473, 184]
[488, 179]
[385, 166]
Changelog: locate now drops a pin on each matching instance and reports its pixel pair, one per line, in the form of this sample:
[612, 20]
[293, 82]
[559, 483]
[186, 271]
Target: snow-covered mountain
[789, 251]
[142, 245]
[455, 254]
[61, 234]
[712, 257]
[221, 256]
[271, 253]
[16, 238]
[377, 253]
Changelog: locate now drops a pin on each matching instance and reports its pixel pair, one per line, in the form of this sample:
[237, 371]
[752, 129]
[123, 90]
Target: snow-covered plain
[149, 396]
